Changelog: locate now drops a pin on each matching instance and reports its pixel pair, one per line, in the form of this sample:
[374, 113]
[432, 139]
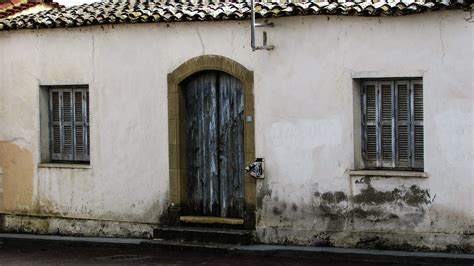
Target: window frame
[85, 114]
[393, 164]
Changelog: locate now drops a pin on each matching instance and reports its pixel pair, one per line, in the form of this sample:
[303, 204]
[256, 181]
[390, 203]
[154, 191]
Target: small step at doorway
[214, 221]
[203, 235]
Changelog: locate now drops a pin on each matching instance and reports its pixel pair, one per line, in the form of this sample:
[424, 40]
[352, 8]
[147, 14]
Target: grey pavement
[39, 249]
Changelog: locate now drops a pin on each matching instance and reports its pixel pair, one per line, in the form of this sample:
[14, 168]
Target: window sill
[64, 165]
[389, 173]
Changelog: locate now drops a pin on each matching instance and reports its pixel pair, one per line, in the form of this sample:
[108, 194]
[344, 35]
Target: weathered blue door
[214, 105]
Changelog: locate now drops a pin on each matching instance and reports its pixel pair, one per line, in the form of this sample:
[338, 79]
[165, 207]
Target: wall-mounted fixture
[265, 46]
[256, 169]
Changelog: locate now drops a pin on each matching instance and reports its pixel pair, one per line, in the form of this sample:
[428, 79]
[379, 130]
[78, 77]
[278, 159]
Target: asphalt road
[65, 254]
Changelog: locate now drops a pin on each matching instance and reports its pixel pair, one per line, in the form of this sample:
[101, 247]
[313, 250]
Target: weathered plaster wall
[304, 123]
[18, 163]
[1, 189]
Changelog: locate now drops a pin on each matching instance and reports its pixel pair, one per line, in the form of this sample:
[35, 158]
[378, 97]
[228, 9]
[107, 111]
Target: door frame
[177, 131]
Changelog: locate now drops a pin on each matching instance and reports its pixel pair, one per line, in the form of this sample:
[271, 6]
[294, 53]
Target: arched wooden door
[214, 107]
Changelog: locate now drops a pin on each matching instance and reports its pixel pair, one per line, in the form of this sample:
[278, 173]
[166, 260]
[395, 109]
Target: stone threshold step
[211, 220]
[227, 231]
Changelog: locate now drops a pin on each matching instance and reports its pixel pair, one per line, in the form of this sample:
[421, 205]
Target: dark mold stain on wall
[335, 207]
[264, 191]
[414, 196]
[374, 214]
[401, 204]
[277, 211]
[338, 211]
[335, 197]
[323, 240]
[330, 203]
[294, 207]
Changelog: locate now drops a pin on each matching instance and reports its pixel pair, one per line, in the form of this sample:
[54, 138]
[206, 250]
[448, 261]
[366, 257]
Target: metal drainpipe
[252, 28]
[252, 31]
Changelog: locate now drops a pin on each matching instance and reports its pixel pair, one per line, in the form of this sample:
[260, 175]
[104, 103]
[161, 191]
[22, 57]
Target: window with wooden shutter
[370, 113]
[69, 124]
[392, 124]
[403, 126]
[417, 124]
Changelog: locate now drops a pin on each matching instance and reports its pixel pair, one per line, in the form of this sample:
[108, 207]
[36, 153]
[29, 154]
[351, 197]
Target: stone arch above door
[176, 131]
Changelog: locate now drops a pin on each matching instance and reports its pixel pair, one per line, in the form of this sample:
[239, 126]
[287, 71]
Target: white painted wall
[304, 114]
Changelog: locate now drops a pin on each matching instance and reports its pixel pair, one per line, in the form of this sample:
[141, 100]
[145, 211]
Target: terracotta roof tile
[12, 7]
[116, 12]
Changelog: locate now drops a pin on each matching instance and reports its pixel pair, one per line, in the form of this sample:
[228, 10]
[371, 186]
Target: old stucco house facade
[117, 118]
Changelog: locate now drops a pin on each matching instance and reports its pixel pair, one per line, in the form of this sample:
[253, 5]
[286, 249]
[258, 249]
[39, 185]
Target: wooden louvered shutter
[403, 124]
[68, 133]
[417, 149]
[61, 125]
[393, 124]
[80, 125]
[55, 124]
[69, 124]
[369, 100]
[386, 130]
[88, 132]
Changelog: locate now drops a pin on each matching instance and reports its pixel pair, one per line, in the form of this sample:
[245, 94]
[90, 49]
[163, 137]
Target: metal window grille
[392, 124]
[69, 124]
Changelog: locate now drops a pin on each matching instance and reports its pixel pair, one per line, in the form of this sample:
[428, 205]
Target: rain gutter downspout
[252, 30]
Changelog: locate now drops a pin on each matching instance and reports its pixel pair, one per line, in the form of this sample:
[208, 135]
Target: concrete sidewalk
[71, 239]
[254, 250]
